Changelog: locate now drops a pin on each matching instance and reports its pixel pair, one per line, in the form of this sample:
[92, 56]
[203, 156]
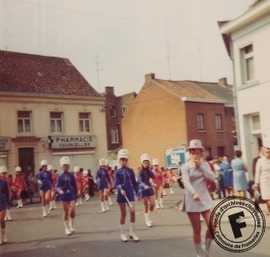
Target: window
[113, 111]
[247, 63]
[84, 122]
[220, 150]
[56, 121]
[114, 136]
[123, 110]
[219, 122]
[200, 121]
[256, 123]
[24, 121]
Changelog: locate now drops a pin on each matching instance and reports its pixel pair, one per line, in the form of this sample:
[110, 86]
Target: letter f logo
[237, 224]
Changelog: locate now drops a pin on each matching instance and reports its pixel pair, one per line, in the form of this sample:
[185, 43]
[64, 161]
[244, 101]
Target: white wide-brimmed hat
[195, 144]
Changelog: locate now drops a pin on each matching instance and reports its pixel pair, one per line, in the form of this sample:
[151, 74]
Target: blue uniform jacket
[46, 180]
[4, 194]
[66, 182]
[102, 178]
[145, 181]
[124, 178]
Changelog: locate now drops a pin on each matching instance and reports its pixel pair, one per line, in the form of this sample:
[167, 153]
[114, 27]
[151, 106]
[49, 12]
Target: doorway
[26, 160]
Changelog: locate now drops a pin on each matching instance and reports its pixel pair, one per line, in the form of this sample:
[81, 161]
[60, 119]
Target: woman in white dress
[197, 200]
[262, 176]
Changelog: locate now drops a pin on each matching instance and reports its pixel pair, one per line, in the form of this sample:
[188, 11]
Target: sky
[116, 42]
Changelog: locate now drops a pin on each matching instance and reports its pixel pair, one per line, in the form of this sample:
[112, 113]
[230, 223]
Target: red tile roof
[28, 73]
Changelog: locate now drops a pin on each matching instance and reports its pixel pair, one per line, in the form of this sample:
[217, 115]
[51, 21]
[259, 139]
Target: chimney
[223, 81]
[109, 90]
[149, 77]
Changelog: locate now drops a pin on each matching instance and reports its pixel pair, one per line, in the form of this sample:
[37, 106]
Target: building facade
[115, 109]
[247, 39]
[166, 115]
[48, 110]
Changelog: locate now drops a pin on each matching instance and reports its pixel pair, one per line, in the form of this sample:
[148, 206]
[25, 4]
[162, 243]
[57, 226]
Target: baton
[129, 203]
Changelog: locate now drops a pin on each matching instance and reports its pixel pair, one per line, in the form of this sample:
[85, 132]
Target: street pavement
[97, 234]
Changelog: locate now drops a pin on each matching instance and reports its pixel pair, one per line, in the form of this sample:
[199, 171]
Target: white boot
[44, 211]
[48, 210]
[171, 191]
[156, 204]
[132, 234]
[19, 202]
[149, 217]
[199, 250]
[110, 201]
[67, 230]
[87, 197]
[147, 221]
[123, 234]
[71, 226]
[164, 191]
[161, 203]
[3, 237]
[80, 201]
[51, 205]
[8, 217]
[54, 204]
[102, 207]
[77, 203]
[106, 206]
[206, 246]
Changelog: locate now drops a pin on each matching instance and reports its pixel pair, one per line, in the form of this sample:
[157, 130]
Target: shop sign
[4, 143]
[60, 142]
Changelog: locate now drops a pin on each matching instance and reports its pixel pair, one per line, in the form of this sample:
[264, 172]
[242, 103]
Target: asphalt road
[97, 234]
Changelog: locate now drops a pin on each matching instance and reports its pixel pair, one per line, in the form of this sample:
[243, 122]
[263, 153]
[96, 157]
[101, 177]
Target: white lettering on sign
[72, 141]
[4, 143]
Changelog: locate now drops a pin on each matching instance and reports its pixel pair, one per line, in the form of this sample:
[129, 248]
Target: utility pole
[168, 50]
[97, 70]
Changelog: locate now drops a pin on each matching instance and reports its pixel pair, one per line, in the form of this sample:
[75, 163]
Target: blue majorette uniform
[66, 183]
[103, 179]
[45, 177]
[125, 180]
[144, 177]
[4, 194]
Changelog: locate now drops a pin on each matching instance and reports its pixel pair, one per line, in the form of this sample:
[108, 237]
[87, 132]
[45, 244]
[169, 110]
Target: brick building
[48, 110]
[115, 109]
[170, 113]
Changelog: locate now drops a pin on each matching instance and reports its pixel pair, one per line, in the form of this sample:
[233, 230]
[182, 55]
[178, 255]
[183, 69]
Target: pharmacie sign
[57, 142]
[4, 143]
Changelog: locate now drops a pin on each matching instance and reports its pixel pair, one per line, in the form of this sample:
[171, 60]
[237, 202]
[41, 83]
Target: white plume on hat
[155, 161]
[3, 169]
[64, 160]
[76, 169]
[123, 153]
[102, 161]
[145, 157]
[107, 162]
[43, 163]
[18, 168]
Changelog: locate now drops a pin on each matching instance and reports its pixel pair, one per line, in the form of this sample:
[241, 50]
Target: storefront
[80, 150]
[4, 149]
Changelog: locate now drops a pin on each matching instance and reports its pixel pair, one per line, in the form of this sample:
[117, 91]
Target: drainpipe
[235, 97]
